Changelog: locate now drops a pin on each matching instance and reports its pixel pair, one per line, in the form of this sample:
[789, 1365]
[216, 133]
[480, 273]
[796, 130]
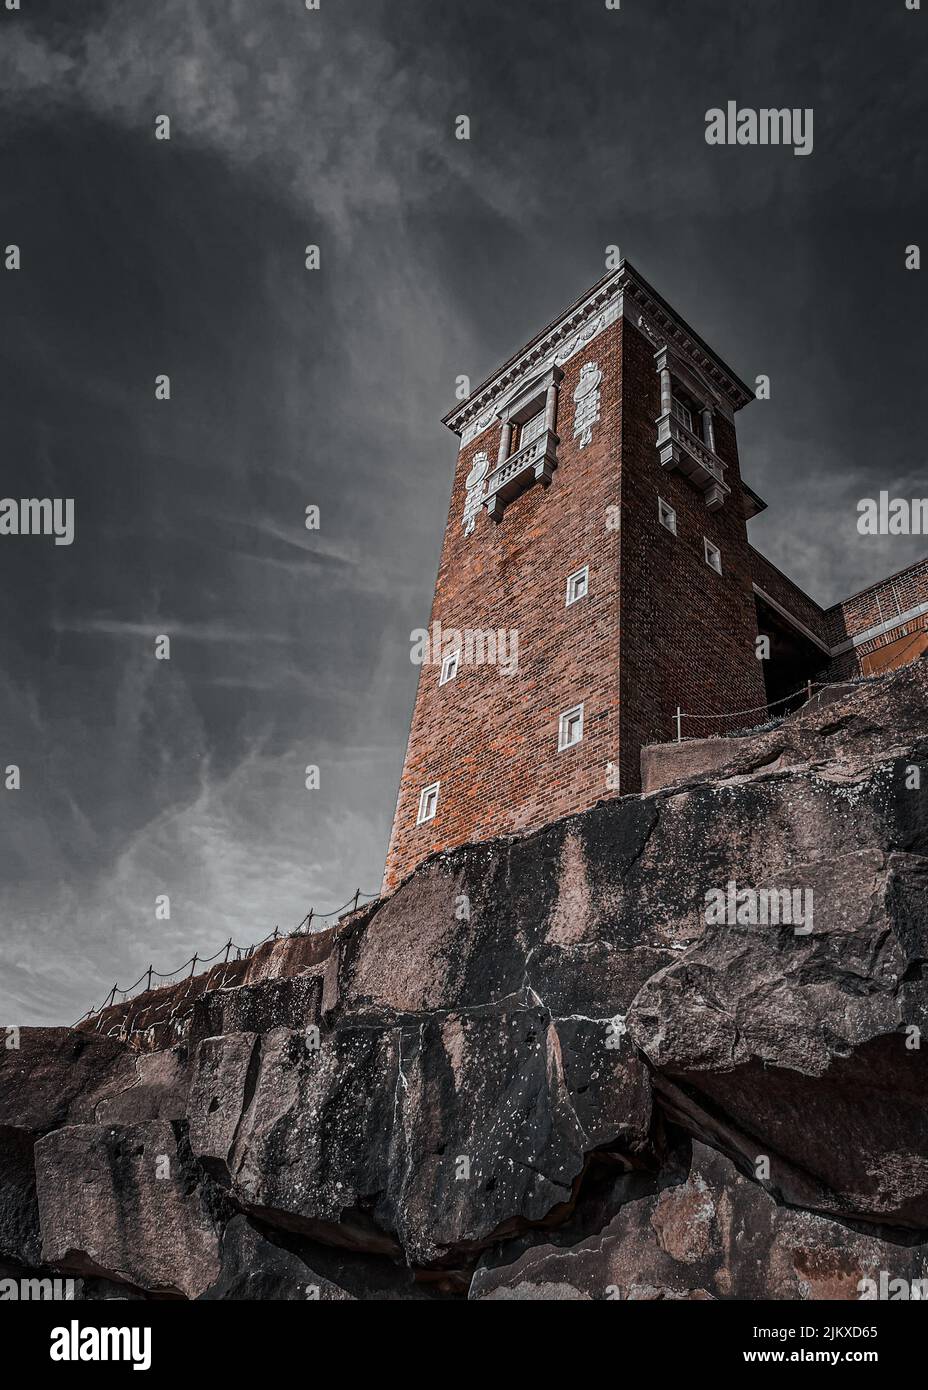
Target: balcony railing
[533, 464]
[681, 448]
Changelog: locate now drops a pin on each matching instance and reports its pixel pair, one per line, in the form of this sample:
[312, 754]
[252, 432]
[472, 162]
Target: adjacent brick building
[596, 577]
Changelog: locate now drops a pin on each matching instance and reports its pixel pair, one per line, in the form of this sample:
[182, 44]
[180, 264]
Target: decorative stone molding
[590, 331]
[512, 399]
[552, 348]
[476, 488]
[586, 403]
[623, 293]
[680, 448]
[533, 464]
[670, 360]
[730, 393]
[530, 398]
[708, 428]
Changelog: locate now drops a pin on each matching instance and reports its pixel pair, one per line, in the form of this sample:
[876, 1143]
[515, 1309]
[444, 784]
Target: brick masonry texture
[492, 739]
[659, 628]
[686, 633]
[880, 603]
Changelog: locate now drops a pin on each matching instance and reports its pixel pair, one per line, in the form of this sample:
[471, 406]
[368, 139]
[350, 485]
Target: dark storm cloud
[292, 388]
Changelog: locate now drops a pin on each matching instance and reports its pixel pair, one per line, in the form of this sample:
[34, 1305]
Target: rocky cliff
[543, 1068]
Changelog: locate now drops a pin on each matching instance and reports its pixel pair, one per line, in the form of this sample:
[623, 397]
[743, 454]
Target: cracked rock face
[706, 1232]
[541, 1069]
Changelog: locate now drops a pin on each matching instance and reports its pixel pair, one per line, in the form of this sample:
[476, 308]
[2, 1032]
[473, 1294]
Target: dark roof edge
[624, 274]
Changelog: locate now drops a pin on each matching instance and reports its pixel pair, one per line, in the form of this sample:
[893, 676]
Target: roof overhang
[621, 293]
[753, 502]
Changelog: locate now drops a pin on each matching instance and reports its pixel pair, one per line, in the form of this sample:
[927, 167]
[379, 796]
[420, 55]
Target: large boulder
[706, 1232]
[126, 1202]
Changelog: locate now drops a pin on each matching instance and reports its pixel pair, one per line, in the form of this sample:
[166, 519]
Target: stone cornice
[678, 336]
[623, 292]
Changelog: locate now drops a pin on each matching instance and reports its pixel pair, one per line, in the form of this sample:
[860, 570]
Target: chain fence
[808, 689]
[306, 925]
[889, 638]
[119, 995]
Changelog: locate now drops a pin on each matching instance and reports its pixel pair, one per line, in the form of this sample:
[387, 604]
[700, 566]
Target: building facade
[596, 578]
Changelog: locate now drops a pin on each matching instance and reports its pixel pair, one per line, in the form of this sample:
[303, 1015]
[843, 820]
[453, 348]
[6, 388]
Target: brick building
[596, 575]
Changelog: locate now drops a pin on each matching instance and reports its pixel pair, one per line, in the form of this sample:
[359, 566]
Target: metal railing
[303, 928]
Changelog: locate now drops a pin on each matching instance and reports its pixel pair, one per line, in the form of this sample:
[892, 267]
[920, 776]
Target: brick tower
[595, 574]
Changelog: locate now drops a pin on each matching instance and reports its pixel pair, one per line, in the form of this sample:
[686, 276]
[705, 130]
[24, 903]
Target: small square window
[713, 556]
[428, 803]
[570, 728]
[449, 666]
[666, 515]
[578, 585]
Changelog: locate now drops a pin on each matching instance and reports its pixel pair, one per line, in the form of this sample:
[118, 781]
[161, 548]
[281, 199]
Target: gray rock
[493, 1080]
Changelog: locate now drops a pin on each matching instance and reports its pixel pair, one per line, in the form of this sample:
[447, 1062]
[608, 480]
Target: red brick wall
[879, 603]
[658, 628]
[491, 739]
[687, 634]
[876, 604]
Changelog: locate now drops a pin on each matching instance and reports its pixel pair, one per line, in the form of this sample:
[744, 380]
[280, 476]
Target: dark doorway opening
[794, 660]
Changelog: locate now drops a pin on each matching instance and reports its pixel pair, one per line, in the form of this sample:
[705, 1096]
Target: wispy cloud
[439, 258]
[192, 632]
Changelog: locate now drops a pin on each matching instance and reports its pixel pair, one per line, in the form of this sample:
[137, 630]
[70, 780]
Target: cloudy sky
[292, 388]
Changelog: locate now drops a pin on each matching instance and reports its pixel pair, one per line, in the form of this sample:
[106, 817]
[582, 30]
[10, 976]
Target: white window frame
[570, 718]
[665, 507]
[449, 666]
[533, 425]
[713, 556]
[573, 582]
[427, 796]
[682, 412]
